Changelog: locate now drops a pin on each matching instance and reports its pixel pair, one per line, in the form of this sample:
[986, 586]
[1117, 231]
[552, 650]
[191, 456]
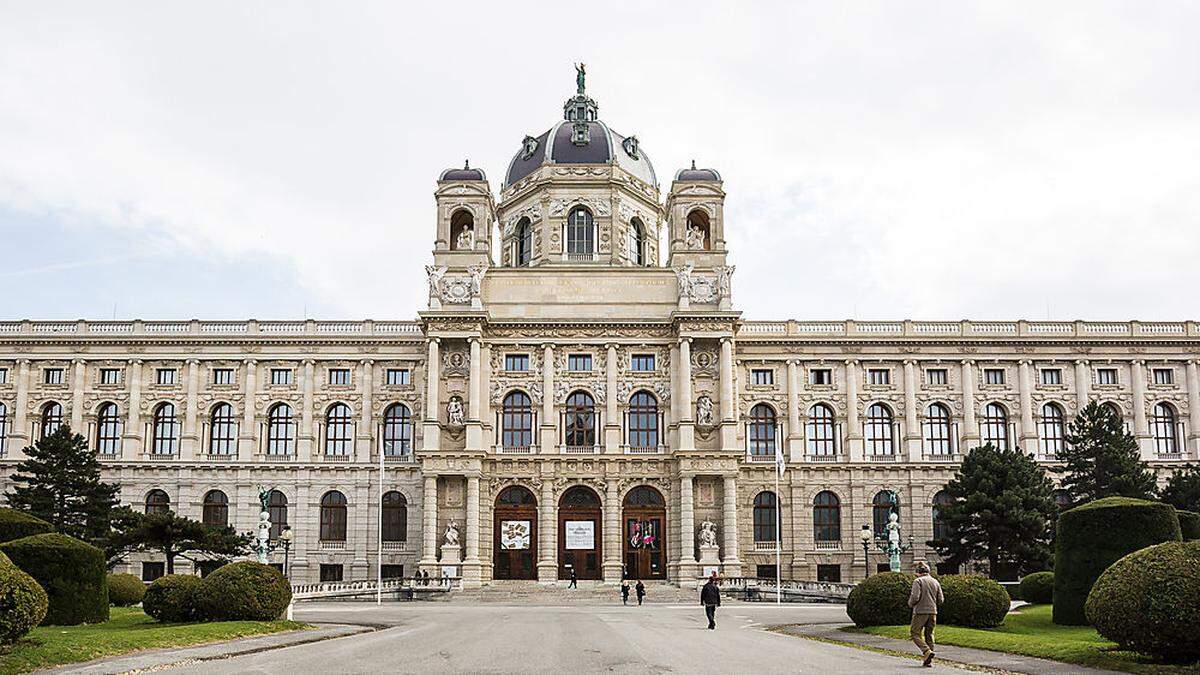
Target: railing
[335, 589]
[754, 459]
[760, 546]
[646, 450]
[1087, 329]
[332, 545]
[793, 591]
[197, 327]
[828, 545]
[515, 449]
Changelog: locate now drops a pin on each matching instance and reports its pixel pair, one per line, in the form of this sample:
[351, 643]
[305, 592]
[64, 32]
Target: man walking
[710, 597]
[924, 599]
[624, 591]
[574, 579]
[641, 591]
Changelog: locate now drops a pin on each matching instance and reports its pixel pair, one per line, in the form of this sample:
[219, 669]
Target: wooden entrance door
[644, 532]
[514, 538]
[579, 534]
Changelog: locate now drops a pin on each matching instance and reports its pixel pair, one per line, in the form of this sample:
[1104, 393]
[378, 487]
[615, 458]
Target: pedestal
[710, 560]
[451, 563]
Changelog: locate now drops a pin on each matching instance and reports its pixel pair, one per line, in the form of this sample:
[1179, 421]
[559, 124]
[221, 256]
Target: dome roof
[465, 173]
[697, 174]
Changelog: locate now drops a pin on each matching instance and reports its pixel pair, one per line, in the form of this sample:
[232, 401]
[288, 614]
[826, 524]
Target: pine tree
[1183, 489]
[1101, 459]
[60, 483]
[1001, 512]
[172, 535]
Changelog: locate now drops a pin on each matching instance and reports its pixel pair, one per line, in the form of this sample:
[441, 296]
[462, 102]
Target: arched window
[1062, 499]
[762, 430]
[995, 426]
[940, 500]
[333, 516]
[157, 501]
[637, 242]
[879, 437]
[883, 505]
[3, 429]
[277, 509]
[580, 235]
[395, 517]
[516, 495]
[216, 509]
[1052, 430]
[937, 430]
[1166, 438]
[108, 429]
[166, 430]
[462, 230]
[339, 431]
[766, 517]
[517, 420]
[643, 420]
[1112, 408]
[698, 235]
[523, 243]
[827, 517]
[222, 430]
[822, 431]
[52, 418]
[397, 431]
[580, 420]
[281, 430]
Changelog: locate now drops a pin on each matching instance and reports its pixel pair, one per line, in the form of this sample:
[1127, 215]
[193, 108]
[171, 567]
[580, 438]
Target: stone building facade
[580, 394]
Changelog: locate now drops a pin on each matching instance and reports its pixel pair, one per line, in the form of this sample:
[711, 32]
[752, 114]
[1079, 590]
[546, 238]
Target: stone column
[731, 566]
[430, 530]
[366, 425]
[432, 435]
[248, 436]
[1193, 391]
[486, 417]
[795, 436]
[613, 545]
[549, 440]
[471, 566]
[547, 565]
[912, 427]
[1029, 436]
[687, 425]
[19, 436]
[189, 445]
[728, 407]
[306, 437]
[474, 398]
[77, 383]
[854, 436]
[687, 533]
[1082, 380]
[970, 435]
[612, 416]
[131, 444]
[1141, 430]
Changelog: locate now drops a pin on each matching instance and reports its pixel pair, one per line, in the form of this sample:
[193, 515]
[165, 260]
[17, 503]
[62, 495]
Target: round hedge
[881, 600]
[1038, 588]
[125, 590]
[1189, 525]
[23, 603]
[71, 572]
[16, 524]
[244, 590]
[972, 600]
[173, 598]
[1093, 536]
[1149, 601]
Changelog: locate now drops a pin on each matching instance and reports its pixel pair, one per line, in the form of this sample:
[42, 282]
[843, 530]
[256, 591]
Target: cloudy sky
[883, 160]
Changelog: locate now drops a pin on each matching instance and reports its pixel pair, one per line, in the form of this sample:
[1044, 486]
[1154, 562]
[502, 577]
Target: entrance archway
[514, 541]
[645, 533]
[579, 533]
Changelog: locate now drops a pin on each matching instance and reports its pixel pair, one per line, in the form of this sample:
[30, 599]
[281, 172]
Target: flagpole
[379, 552]
[778, 524]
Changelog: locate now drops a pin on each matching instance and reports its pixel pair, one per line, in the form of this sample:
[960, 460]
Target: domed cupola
[694, 174]
[465, 173]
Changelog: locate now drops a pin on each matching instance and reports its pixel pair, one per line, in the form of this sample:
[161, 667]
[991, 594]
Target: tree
[1101, 459]
[172, 535]
[1183, 489]
[60, 483]
[1001, 511]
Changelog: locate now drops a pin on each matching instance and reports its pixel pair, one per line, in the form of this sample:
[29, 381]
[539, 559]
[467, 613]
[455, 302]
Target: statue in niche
[454, 412]
[450, 538]
[466, 240]
[708, 533]
[704, 411]
[695, 238]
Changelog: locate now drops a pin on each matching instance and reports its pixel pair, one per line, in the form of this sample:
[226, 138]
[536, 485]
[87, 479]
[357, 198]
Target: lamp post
[285, 539]
[864, 536]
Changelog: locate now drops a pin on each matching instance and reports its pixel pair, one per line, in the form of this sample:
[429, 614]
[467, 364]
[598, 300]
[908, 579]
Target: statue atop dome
[580, 73]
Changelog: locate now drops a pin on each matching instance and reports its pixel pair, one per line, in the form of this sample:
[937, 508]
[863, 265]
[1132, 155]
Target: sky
[883, 160]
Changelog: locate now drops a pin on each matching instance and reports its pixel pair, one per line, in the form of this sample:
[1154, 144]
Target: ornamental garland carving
[599, 206]
[533, 212]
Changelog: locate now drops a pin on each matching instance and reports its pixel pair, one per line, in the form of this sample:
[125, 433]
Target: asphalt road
[488, 638]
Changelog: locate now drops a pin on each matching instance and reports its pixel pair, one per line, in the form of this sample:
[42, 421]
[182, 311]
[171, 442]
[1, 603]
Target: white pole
[379, 544]
[778, 541]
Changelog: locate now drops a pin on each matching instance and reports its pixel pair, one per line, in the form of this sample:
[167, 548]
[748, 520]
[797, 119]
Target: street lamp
[864, 536]
[285, 539]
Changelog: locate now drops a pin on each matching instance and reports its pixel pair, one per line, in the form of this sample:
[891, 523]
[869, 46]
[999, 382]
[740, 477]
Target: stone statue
[435, 272]
[695, 237]
[708, 533]
[580, 73]
[893, 531]
[704, 411]
[724, 279]
[450, 538]
[466, 240]
[684, 276]
[454, 411]
[476, 272]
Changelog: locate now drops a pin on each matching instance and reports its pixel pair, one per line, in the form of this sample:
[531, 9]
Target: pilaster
[547, 564]
[78, 372]
[246, 433]
[970, 433]
[687, 424]
[795, 435]
[20, 434]
[131, 442]
[612, 424]
[730, 564]
[549, 429]
[429, 533]
[854, 437]
[687, 533]
[1193, 392]
[912, 427]
[189, 446]
[1141, 429]
[366, 425]
[471, 570]
[432, 432]
[474, 399]
[613, 546]
[1029, 436]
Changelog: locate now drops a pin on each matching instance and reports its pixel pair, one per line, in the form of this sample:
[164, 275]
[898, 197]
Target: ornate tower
[462, 250]
[696, 219]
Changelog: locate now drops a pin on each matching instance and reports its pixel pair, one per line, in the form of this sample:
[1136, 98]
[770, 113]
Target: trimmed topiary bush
[972, 600]
[1038, 588]
[173, 598]
[5, 562]
[16, 524]
[71, 572]
[244, 590]
[125, 590]
[23, 603]
[881, 600]
[1093, 536]
[1189, 525]
[1149, 601]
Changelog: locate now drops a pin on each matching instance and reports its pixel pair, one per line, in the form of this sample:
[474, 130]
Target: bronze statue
[579, 75]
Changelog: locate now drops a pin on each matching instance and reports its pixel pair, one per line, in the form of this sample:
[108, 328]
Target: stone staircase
[557, 593]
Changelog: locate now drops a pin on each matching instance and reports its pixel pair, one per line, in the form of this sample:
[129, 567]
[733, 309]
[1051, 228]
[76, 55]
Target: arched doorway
[515, 534]
[579, 533]
[645, 518]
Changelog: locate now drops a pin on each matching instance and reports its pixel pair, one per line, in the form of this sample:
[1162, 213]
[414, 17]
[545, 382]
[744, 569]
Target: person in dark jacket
[710, 597]
[641, 591]
[574, 579]
[624, 591]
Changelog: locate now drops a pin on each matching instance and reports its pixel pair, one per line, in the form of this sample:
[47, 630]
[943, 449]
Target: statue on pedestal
[708, 533]
[450, 538]
[704, 411]
[454, 412]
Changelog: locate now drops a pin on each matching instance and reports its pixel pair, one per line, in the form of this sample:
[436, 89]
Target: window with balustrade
[878, 431]
[643, 420]
[215, 509]
[157, 501]
[994, 426]
[395, 517]
[581, 235]
[281, 431]
[762, 431]
[579, 420]
[339, 431]
[333, 517]
[938, 436]
[516, 421]
[883, 505]
[766, 518]
[827, 517]
[108, 429]
[397, 430]
[222, 430]
[821, 431]
[52, 418]
[1052, 430]
[1163, 428]
[165, 430]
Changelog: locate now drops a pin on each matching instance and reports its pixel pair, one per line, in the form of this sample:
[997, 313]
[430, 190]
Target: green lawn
[1030, 631]
[128, 630]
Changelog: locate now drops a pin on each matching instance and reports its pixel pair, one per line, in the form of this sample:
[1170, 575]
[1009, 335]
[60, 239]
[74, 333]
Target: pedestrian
[574, 579]
[425, 578]
[710, 597]
[641, 591]
[924, 599]
[624, 591]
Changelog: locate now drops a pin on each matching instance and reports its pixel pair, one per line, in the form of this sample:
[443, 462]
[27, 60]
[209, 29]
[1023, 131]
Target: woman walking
[624, 591]
[641, 591]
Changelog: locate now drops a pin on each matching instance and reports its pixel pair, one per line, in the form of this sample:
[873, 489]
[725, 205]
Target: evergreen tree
[172, 535]
[1101, 459]
[1183, 489]
[1001, 512]
[60, 483]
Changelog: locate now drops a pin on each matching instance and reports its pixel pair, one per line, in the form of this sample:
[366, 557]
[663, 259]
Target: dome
[465, 173]
[697, 174]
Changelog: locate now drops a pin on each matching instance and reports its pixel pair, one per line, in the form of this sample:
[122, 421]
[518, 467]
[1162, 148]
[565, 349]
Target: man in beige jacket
[924, 599]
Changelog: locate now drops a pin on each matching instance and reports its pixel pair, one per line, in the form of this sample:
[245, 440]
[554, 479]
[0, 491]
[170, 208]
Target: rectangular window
[516, 362]
[110, 376]
[54, 375]
[339, 376]
[223, 376]
[993, 376]
[331, 572]
[392, 571]
[397, 377]
[1164, 376]
[762, 377]
[641, 362]
[165, 376]
[937, 376]
[765, 572]
[579, 363]
[821, 376]
[879, 376]
[3, 375]
[1106, 376]
[152, 570]
[281, 376]
[1051, 376]
[829, 573]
